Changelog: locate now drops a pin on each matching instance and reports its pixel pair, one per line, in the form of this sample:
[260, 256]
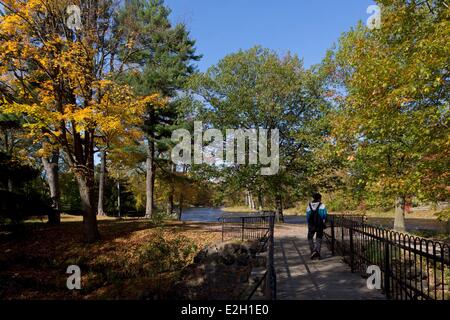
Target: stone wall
[220, 272]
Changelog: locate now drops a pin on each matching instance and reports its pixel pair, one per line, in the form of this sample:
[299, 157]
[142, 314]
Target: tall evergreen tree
[160, 62]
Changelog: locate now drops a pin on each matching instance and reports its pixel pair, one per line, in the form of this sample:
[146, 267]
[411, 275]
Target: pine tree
[161, 59]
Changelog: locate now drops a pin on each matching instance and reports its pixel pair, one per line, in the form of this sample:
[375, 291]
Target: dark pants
[318, 231]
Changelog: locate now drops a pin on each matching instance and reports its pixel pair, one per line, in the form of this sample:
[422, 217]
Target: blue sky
[305, 27]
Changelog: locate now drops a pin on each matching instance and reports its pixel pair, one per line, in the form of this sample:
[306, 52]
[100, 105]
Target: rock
[259, 262]
[220, 271]
[200, 256]
[242, 259]
[228, 259]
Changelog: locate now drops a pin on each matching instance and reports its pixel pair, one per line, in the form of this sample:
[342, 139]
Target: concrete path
[299, 278]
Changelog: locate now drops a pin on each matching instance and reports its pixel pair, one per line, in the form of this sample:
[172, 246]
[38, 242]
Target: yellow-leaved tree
[119, 128]
[54, 64]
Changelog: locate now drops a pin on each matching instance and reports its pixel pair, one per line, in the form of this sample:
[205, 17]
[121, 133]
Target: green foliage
[164, 52]
[390, 127]
[340, 201]
[255, 89]
[70, 196]
[14, 169]
[26, 196]
[159, 216]
[162, 55]
[444, 215]
[17, 207]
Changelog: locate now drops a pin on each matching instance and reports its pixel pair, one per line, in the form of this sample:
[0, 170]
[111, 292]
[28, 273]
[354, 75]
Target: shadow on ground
[300, 278]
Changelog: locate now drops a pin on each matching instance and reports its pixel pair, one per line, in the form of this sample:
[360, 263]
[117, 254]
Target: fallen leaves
[34, 262]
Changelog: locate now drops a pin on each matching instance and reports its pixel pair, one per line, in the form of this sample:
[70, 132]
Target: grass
[298, 210]
[135, 259]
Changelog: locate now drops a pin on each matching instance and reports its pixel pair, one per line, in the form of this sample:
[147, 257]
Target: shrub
[17, 207]
[166, 255]
[444, 216]
[159, 216]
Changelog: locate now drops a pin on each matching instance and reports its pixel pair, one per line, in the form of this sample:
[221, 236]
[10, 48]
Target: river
[205, 214]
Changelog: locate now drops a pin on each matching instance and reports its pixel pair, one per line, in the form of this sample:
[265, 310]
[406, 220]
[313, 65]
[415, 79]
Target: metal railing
[412, 268]
[259, 228]
[245, 228]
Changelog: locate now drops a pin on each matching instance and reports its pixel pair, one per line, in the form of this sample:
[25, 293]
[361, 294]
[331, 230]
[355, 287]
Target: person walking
[316, 215]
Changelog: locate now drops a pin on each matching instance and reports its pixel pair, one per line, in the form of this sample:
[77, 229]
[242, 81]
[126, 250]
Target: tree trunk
[171, 191]
[248, 199]
[252, 205]
[150, 179]
[279, 204]
[86, 186]
[399, 221]
[260, 201]
[180, 209]
[118, 199]
[101, 183]
[170, 203]
[51, 168]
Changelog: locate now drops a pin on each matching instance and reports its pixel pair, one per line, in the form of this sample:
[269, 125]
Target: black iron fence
[259, 228]
[412, 268]
[245, 228]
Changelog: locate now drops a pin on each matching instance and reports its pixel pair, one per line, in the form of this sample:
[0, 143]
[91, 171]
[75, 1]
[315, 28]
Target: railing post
[332, 235]
[270, 294]
[351, 249]
[387, 271]
[243, 228]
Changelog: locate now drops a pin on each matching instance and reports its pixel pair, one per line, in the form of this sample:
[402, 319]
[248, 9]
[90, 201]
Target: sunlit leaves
[393, 123]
